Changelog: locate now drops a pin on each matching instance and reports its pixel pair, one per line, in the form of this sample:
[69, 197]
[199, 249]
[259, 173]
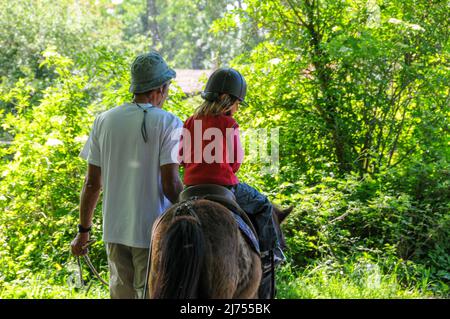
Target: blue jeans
[259, 210]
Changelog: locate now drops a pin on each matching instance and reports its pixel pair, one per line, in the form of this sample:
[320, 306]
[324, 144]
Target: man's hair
[163, 86]
[219, 106]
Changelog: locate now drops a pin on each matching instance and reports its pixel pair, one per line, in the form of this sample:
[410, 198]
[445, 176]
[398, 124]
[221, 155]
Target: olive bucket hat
[149, 71]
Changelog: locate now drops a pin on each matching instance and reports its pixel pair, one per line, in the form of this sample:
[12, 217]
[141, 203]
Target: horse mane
[182, 255]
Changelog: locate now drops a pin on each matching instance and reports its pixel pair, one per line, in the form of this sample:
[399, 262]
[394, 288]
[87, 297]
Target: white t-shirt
[132, 192]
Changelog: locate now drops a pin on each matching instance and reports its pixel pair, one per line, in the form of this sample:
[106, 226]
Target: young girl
[213, 155]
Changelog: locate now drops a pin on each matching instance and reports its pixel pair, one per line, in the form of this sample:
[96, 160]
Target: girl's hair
[219, 106]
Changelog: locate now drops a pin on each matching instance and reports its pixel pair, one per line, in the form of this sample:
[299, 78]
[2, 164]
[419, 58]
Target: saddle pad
[247, 232]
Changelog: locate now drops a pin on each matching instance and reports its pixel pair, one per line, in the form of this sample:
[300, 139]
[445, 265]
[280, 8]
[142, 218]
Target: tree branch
[297, 14]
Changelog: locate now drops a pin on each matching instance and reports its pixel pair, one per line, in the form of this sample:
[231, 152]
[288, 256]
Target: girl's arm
[238, 156]
[184, 149]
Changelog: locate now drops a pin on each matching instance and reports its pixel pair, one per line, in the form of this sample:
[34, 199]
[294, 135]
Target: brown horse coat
[202, 254]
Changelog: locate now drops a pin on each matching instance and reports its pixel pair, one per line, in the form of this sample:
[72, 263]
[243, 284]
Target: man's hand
[80, 244]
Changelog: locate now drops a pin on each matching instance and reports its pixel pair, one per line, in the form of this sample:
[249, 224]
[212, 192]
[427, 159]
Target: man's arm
[89, 197]
[171, 182]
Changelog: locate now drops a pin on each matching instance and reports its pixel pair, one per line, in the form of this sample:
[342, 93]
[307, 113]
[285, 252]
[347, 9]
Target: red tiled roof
[192, 81]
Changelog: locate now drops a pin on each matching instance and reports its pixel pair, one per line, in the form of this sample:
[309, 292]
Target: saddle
[225, 197]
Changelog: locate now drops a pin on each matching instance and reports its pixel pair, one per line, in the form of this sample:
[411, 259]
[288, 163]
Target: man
[131, 153]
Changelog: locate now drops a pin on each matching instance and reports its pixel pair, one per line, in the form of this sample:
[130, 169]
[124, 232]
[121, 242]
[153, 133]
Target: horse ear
[284, 213]
[280, 213]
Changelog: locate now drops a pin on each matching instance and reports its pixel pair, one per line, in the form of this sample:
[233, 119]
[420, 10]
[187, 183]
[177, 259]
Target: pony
[198, 251]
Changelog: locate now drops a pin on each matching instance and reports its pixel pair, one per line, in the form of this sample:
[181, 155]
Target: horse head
[279, 216]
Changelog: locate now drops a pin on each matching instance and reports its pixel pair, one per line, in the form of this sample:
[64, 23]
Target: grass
[354, 280]
[38, 288]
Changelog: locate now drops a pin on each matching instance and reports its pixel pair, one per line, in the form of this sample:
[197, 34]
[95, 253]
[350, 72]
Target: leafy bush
[38, 184]
[42, 174]
[339, 219]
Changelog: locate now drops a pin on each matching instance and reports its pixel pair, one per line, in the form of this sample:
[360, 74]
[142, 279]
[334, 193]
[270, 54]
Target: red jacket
[210, 150]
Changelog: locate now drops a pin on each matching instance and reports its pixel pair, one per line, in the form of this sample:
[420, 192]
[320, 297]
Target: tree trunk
[150, 22]
[329, 102]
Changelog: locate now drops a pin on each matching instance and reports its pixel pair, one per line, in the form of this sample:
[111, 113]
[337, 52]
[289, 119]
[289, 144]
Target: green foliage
[341, 218]
[185, 31]
[357, 85]
[358, 89]
[38, 183]
[31, 26]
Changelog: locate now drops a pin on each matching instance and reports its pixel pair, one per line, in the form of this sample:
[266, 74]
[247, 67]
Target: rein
[91, 267]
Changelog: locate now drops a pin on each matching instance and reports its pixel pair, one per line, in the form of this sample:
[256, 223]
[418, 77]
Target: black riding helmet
[225, 80]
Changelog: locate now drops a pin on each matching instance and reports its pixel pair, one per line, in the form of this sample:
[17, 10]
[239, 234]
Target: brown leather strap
[206, 189]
